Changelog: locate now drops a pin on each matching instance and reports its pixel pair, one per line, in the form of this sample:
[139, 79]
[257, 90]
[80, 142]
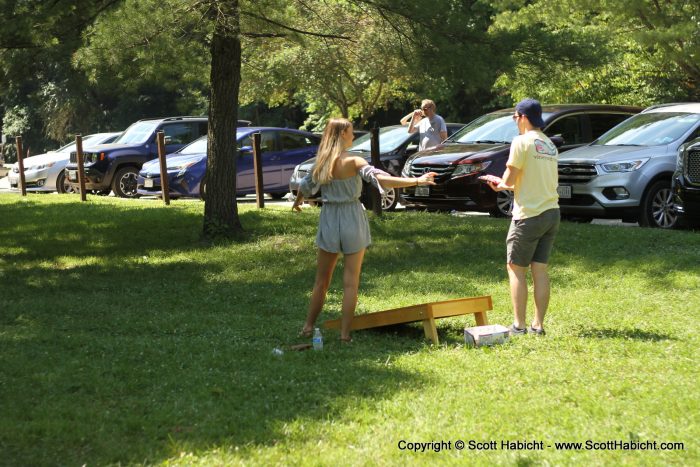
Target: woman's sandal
[346, 340]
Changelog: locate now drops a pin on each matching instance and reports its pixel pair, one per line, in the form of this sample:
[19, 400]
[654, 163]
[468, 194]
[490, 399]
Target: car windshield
[138, 133]
[649, 129]
[490, 128]
[90, 140]
[390, 138]
[198, 146]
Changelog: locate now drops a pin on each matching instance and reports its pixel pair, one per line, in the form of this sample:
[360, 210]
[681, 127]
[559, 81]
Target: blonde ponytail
[329, 150]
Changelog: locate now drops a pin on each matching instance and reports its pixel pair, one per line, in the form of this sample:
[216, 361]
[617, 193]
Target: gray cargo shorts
[531, 240]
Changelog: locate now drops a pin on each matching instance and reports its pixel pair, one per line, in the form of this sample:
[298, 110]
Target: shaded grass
[125, 340]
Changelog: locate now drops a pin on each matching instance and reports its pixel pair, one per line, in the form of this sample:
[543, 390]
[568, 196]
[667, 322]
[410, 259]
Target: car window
[180, 133]
[138, 133]
[267, 141]
[650, 129]
[202, 127]
[495, 127]
[199, 146]
[569, 127]
[600, 123]
[390, 138]
[294, 141]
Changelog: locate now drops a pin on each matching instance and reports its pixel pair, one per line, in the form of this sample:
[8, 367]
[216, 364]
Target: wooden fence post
[258, 169]
[20, 163]
[164, 181]
[376, 162]
[81, 166]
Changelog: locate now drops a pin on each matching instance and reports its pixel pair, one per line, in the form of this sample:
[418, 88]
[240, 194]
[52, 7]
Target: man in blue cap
[531, 173]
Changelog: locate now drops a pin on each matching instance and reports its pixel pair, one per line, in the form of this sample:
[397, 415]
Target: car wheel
[658, 207]
[390, 199]
[504, 204]
[277, 196]
[62, 185]
[124, 183]
[203, 189]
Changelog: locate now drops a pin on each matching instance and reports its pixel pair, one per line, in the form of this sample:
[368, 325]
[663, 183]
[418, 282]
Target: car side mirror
[245, 149]
[558, 140]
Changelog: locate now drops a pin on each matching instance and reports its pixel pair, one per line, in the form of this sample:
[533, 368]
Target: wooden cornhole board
[426, 312]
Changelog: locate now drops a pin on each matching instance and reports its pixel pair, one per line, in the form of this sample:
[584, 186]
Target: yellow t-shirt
[536, 186]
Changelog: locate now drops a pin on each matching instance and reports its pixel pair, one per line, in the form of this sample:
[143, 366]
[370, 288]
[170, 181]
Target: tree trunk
[220, 209]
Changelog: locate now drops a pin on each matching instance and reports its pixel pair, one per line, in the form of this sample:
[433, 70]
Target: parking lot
[5, 188]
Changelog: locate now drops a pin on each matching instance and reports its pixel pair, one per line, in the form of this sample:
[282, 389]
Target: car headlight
[470, 168]
[180, 168]
[40, 166]
[406, 169]
[624, 166]
[680, 157]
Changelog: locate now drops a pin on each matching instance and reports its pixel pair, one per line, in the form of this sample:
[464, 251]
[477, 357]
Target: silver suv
[626, 173]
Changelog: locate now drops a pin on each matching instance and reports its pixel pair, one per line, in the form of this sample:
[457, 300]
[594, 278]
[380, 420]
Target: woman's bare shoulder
[354, 161]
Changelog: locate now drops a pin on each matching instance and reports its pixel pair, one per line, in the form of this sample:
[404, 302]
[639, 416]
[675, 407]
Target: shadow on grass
[635, 334]
[137, 356]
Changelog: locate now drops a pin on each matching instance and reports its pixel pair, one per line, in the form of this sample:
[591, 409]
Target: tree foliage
[608, 51]
[89, 65]
[351, 65]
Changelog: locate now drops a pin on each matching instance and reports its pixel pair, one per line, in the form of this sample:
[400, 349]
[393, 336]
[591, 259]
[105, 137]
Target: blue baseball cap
[532, 109]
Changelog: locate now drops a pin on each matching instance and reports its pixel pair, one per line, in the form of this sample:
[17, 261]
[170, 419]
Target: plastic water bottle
[318, 339]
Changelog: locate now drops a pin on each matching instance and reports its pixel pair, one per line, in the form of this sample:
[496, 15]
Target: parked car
[395, 146]
[627, 172]
[686, 182]
[282, 150]
[482, 148]
[115, 166]
[46, 172]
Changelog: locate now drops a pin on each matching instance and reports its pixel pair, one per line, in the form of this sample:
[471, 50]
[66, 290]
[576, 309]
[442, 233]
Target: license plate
[423, 190]
[564, 191]
[73, 175]
[148, 183]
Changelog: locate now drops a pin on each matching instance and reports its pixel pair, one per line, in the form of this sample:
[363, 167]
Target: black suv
[686, 182]
[396, 144]
[116, 166]
[482, 147]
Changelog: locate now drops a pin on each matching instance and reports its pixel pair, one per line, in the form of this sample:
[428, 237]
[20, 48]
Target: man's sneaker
[517, 331]
[536, 332]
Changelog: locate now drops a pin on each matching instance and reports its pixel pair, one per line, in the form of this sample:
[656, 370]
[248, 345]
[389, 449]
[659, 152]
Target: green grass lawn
[125, 340]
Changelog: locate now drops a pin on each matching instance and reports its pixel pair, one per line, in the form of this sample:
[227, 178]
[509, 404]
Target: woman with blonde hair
[343, 226]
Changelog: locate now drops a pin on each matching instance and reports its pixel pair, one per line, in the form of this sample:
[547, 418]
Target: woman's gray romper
[343, 225]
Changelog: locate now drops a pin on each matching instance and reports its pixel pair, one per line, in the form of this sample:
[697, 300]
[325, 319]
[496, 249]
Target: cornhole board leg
[430, 329]
[425, 312]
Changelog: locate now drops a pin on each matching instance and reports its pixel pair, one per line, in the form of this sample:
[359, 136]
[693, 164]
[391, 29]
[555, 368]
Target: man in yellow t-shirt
[531, 173]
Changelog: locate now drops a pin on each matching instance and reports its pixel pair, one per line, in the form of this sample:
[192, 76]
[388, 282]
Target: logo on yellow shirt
[545, 147]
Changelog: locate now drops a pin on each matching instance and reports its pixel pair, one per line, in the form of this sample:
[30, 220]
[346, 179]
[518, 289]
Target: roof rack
[668, 104]
[170, 119]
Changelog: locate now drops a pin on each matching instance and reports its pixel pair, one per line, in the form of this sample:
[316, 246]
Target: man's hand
[426, 179]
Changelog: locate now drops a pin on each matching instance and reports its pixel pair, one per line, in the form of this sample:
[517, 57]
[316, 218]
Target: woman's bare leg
[351, 284]
[324, 273]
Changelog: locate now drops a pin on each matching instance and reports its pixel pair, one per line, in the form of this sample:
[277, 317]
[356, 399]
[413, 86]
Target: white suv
[626, 173]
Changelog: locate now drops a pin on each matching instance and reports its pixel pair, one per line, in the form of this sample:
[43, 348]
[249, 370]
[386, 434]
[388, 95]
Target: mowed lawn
[125, 340]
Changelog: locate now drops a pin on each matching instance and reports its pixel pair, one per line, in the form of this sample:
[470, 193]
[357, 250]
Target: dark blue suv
[116, 166]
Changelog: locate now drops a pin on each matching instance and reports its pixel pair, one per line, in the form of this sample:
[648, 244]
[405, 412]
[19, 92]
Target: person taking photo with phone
[430, 126]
